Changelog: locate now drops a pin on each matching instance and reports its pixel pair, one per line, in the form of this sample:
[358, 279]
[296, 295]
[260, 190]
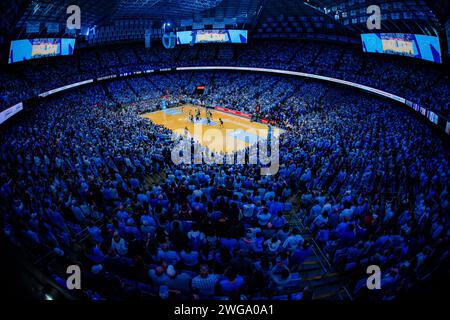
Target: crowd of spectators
[418, 81]
[84, 179]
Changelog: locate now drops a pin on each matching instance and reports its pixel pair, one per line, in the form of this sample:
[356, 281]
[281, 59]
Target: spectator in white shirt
[293, 240]
[118, 245]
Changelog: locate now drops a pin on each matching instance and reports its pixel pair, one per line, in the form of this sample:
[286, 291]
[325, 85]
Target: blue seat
[287, 206]
[297, 295]
[190, 273]
[350, 266]
[294, 281]
[364, 262]
[187, 226]
[282, 297]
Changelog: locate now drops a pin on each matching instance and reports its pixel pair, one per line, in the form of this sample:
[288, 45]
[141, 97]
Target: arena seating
[415, 80]
[84, 179]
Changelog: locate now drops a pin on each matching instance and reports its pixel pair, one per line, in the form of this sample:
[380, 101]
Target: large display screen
[410, 45]
[22, 50]
[212, 36]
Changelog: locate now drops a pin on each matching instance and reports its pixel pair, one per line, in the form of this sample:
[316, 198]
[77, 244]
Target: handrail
[48, 254]
[322, 254]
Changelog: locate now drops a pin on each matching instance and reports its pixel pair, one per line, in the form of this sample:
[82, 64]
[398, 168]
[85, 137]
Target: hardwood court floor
[236, 134]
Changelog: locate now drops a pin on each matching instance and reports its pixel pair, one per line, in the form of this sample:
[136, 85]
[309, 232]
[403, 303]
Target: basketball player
[221, 123]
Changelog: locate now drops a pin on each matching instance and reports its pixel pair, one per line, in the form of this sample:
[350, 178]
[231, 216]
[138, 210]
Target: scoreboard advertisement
[409, 45]
[22, 50]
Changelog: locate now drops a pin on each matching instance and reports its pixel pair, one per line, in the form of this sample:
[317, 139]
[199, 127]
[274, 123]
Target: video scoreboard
[212, 36]
[410, 45]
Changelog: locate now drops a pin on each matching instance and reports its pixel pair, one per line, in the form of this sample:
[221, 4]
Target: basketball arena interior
[229, 150]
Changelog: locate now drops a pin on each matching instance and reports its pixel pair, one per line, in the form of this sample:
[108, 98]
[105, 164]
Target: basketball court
[235, 134]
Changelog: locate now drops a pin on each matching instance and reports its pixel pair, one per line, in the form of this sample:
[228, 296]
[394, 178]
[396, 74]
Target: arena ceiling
[283, 16]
